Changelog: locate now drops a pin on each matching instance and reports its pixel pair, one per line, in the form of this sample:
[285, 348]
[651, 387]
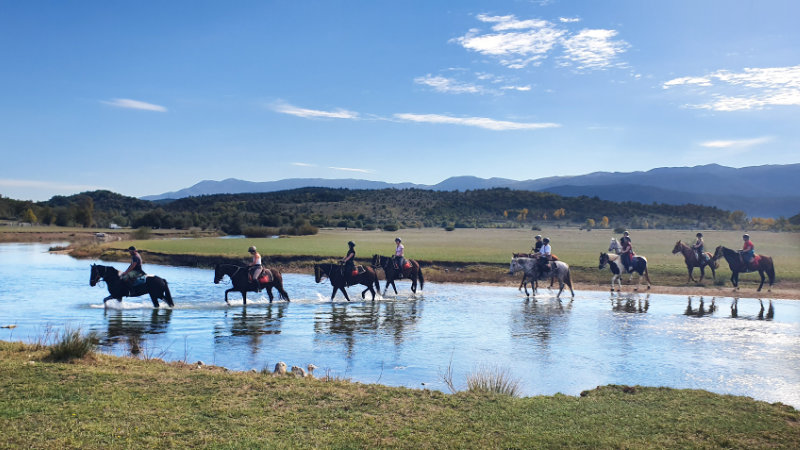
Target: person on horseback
[698, 249]
[627, 251]
[537, 245]
[748, 252]
[544, 256]
[135, 270]
[254, 269]
[348, 262]
[399, 254]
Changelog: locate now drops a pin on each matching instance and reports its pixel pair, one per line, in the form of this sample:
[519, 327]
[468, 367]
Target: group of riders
[541, 250]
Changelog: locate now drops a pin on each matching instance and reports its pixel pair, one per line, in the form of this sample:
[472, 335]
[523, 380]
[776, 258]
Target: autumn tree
[604, 222]
[29, 216]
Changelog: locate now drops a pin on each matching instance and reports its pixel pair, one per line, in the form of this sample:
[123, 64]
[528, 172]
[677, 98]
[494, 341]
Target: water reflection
[761, 316]
[254, 324]
[135, 323]
[630, 303]
[541, 320]
[701, 309]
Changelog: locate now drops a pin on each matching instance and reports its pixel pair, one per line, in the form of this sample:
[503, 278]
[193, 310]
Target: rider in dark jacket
[349, 262]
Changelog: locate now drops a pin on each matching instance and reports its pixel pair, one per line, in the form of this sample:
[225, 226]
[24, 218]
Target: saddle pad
[359, 270]
[266, 277]
[407, 265]
[139, 281]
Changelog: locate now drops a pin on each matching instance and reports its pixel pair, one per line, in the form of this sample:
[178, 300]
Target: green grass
[110, 402]
[580, 249]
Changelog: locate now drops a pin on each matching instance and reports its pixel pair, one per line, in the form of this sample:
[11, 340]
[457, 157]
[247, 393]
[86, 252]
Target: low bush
[72, 344]
[142, 233]
[260, 232]
[493, 380]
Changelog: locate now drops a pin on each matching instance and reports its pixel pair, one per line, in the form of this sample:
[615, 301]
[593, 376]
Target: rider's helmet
[746, 236]
[546, 240]
[397, 239]
[351, 244]
[625, 233]
[538, 236]
[252, 249]
[699, 234]
[131, 249]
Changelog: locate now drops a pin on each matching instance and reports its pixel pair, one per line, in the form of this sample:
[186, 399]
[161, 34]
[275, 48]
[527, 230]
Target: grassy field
[579, 248]
[108, 402]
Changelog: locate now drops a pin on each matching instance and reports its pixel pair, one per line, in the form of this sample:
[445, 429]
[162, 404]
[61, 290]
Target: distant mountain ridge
[762, 191]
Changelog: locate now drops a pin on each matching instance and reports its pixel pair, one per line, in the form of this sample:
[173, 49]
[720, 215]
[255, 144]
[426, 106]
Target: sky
[146, 97]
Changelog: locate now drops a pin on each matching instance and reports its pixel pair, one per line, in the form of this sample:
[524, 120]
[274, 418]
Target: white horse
[530, 267]
[638, 265]
[614, 246]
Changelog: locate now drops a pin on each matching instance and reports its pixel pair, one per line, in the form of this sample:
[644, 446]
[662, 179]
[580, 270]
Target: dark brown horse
[761, 264]
[242, 284]
[412, 272]
[335, 273]
[690, 257]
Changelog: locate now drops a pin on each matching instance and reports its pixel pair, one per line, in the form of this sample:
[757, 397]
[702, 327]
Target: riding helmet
[538, 236]
[132, 248]
[398, 240]
[351, 244]
[746, 236]
[252, 249]
[625, 233]
[699, 234]
[546, 240]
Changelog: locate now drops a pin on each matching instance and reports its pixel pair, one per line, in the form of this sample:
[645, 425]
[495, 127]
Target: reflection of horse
[760, 263]
[701, 310]
[413, 272]
[690, 257]
[155, 286]
[530, 267]
[335, 273]
[242, 284]
[615, 264]
[630, 303]
[770, 312]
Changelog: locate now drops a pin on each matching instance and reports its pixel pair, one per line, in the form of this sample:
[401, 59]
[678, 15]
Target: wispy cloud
[134, 104]
[753, 88]
[448, 85]
[302, 164]
[480, 122]
[350, 169]
[736, 143]
[49, 185]
[569, 19]
[516, 88]
[520, 43]
[285, 108]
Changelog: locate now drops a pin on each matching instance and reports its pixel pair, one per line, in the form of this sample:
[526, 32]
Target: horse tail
[168, 294]
[770, 270]
[377, 281]
[421, 278]
[568, 279]
[279, 285]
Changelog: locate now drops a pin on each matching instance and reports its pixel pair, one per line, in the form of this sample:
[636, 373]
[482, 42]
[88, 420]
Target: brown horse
[243, 285]
[690, 257]
[761, 264]
[414, 272]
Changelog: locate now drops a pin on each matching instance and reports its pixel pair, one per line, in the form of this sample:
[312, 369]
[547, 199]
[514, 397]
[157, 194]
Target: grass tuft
[493, 380]
[72, 344]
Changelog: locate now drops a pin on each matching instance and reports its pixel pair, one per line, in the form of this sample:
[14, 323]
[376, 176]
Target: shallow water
[407, 340]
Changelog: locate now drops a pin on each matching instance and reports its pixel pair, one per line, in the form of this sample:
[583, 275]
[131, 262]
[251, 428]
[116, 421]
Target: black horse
[335, 273]
[762, 264]
[242, 284]
[413, 273]
[155, 286]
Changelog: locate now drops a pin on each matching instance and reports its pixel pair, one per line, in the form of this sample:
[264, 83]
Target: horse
[392, 273]
[534, 283]
[530, 267]
[690, 257]
[615, 264]
[157, 287]
[762, 264]
[614, 246]
[335, 273]
[242, 284]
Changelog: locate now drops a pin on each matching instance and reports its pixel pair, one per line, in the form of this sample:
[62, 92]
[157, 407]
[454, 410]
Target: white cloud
[480, 122]
[740, 143]
[516, 88]
[569, 19]
[286, 108]
[448, 85]
[593, 49]
[37, 184]
[134, 104]
[302, 164]
[349, 169]
[753, 88]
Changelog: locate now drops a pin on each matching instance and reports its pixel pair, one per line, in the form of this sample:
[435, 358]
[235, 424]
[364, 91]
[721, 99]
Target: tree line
[302, 211]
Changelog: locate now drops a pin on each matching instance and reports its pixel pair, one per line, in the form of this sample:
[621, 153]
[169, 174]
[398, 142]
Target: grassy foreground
[106, 401]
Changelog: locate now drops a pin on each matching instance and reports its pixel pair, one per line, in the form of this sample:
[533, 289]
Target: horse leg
[735, 280]
[414, 284]
[690, 269]
[702, 274]
[107, 299]
[154, 299]
[269, 293]
[244, 297]
[646, 277]
[226, 296]
[344, 291]
[761, 274]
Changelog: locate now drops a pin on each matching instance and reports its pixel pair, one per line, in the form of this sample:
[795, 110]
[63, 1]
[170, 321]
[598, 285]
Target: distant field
[580, 249]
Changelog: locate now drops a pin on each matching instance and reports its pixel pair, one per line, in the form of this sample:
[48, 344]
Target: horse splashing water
[271, 278]
[530, 267]
[614, 262]
[335, 273]
[690, 257]
[761, 264]
[157, 287]
[411, 271]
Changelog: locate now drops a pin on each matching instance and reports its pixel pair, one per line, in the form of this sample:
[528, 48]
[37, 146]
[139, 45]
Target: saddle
[358, 270]
[753, 266]
[266, 277]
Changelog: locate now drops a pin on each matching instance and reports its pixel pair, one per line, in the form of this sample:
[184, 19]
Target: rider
[698, 249]
[135, 270]
[627, 251]
[537, 245]
[544, 257]
[399, 254]
[254, 269]
[349, 262]
[748, 251]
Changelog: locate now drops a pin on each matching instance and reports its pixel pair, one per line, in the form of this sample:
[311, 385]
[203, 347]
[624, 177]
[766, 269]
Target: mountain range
[760, 191]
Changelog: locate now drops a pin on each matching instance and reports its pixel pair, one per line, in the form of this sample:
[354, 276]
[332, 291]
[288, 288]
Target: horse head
[614, 246]
[376, 261]
[677, 247]
[717, 253]
[317, 273]
[95, 276]
[514, 265]
[604, 259]
[218, 274]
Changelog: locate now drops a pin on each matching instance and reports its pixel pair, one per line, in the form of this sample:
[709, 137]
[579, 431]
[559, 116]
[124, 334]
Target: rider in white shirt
[544, 255]
[399, 254]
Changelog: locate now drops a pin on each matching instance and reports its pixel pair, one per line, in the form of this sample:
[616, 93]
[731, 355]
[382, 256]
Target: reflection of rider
[399, 254]
[748, 251]
[698, 249]
[538, 244]
[135, 270]
[254, 268]
[544, 256]
[349, 262]
[627, 251]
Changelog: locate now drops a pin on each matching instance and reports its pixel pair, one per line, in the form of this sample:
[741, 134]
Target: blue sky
[147, 97]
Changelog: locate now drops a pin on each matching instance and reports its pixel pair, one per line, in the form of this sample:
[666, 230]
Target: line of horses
[367, 276]
[158, 288]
